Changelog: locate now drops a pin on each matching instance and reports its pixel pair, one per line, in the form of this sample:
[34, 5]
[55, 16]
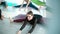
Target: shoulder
[34, 18]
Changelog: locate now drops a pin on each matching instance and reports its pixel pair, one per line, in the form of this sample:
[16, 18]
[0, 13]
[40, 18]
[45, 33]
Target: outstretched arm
[19, 32]
[31, 30]
[23, 25]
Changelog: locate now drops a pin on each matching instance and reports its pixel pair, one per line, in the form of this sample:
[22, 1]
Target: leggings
[3, 4]
[0, 13]
[30, 5]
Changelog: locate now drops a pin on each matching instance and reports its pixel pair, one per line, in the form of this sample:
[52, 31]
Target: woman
[29, 4]
[31, 20]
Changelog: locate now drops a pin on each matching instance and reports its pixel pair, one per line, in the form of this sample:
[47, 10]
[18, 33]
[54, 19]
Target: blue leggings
[30, 5]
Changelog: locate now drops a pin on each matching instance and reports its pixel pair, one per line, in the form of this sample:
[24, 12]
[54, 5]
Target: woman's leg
[24, 5]
[0, 13]
[1, 17]
[4, 4]
[18, 6]
[31, 5]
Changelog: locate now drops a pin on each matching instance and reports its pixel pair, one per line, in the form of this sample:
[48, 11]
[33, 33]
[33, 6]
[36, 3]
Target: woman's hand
[29, 33]
[19, 32]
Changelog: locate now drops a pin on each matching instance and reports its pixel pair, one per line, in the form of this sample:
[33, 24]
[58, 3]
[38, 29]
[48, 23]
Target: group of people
[28, 4]
[30, 18]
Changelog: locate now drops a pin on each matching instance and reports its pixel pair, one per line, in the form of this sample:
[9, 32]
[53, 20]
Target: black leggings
[30, 5]
[3, 4]
[0, 13]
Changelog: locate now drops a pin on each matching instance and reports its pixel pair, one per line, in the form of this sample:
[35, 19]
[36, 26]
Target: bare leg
[21, 5]
[28, 2]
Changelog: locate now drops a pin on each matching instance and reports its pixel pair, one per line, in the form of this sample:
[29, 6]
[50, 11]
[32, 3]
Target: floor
[11, 28]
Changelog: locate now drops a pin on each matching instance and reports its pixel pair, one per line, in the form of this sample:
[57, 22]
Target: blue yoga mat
[11, 4]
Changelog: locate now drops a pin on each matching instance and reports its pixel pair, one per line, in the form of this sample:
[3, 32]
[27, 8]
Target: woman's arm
[19, 32]
[23, 25]
[31, 30]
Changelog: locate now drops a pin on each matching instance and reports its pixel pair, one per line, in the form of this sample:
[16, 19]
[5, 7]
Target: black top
[32, 22]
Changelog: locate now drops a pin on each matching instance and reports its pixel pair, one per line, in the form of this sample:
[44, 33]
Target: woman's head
[30, 15]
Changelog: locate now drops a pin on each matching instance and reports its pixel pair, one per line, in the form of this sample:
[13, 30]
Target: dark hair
[30, 12]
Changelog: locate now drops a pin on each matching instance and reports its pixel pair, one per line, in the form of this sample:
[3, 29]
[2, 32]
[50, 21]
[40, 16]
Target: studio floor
[11, 28]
